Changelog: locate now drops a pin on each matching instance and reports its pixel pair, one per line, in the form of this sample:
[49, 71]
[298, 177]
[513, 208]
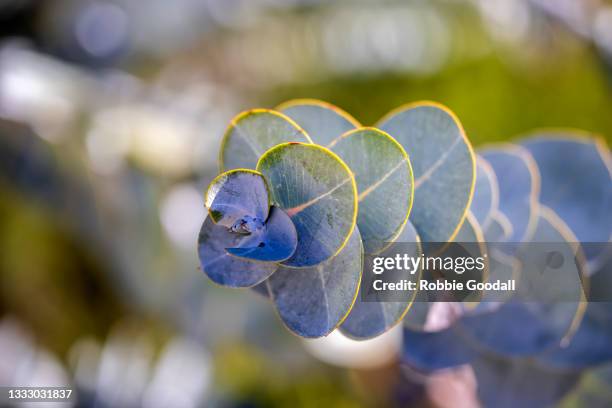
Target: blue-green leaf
[237, 194]
[223, 268]
[545, 320]
[371, 319]
[277, 241]
[518, 181]
[443, 164]
[318, 192]
[323, 121]
[576, 173]
[253, 132]
[384, 182]
[314, 301]
[486, 192]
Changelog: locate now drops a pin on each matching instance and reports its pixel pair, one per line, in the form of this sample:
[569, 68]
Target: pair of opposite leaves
[322, 197]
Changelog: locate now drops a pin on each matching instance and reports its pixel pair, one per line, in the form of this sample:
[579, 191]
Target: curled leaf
[237, 194]
[277, 241]
[220, 266]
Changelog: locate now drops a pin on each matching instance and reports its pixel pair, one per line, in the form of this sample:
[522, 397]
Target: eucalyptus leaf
[318, 192]
[443, 164]
[486, 192]
[323, 121]
[253, 132]
[546, 320]
[313, 301]
[590, 345]
[518, 180]
[384, 182]
[235, 194]
[277, 241]
[220, 266]
[373, 318]
[576, 173]
[469, 242]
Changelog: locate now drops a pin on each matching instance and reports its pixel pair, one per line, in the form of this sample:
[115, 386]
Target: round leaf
[277, 241]
[314, 301]
[384, 182]
[518, 180]
[235, 194]
[318, 192]
[220, 266]
[443, 163]
[323, 121]
[370, 319]
[253, 132]
[576, 174]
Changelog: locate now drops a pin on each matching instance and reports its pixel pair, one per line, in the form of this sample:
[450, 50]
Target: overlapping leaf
[223, 268]
[545, 321]
[276, 242]
[443, 165]
[314, 301]
[518, 180]
[253, 132]
[576, 173]
[372, 318]
[318, 192]
[384, 182]
[323, 121]
[486, 192]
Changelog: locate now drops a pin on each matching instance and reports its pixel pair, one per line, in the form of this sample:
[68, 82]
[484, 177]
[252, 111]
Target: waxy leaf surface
[518, 181]
[576, 183]
[318, 192]
[384, 183]
[276, 242]
[370, 319]
[235, 194]
[443, 164]
[253, 132]
[313, 301]
[323, 121]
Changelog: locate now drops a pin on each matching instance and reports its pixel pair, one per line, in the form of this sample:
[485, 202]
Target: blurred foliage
[493, 101]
